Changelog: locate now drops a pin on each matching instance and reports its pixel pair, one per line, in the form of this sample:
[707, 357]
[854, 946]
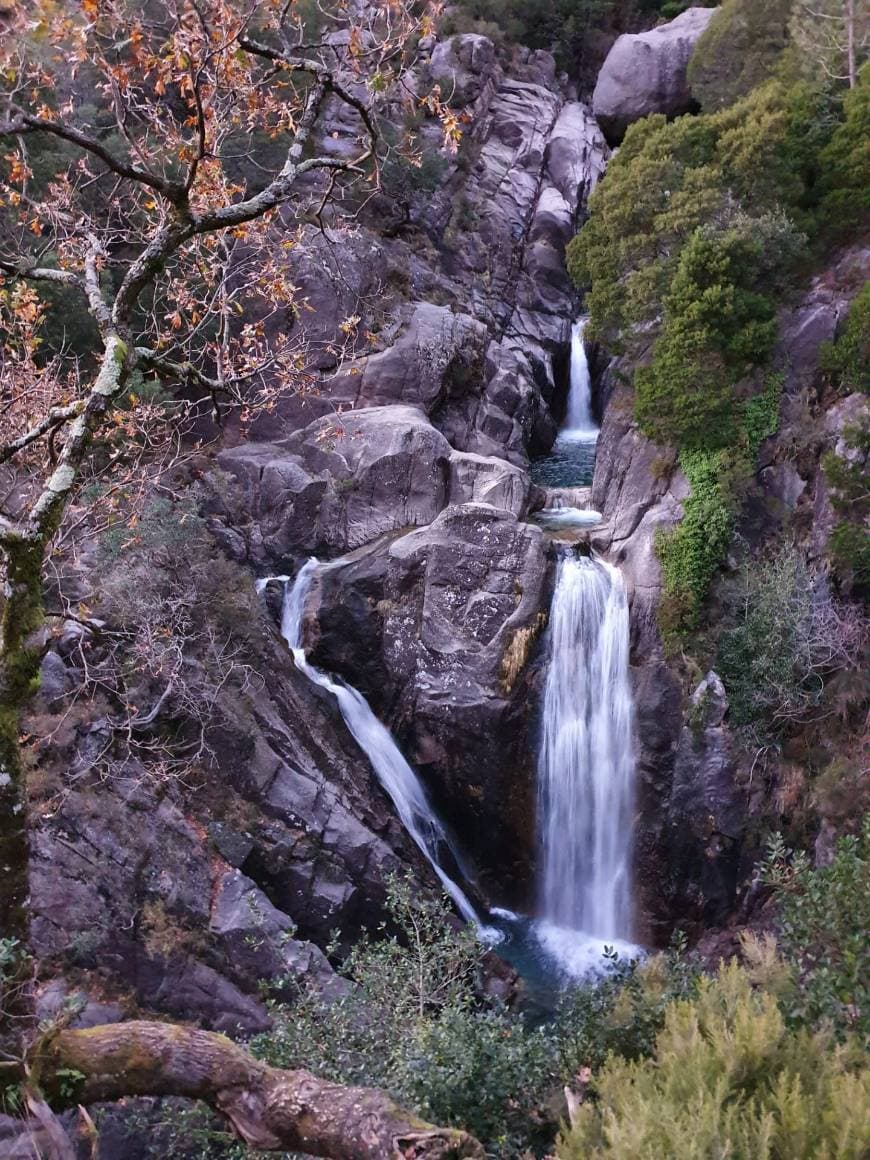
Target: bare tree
[158, 159]
[160, 116]
[834, 34]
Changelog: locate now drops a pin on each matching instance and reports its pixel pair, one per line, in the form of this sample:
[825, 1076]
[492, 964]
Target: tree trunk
[270, 1109]
[20, 656]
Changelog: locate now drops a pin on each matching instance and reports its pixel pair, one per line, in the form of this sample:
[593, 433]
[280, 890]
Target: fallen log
[269, 1108]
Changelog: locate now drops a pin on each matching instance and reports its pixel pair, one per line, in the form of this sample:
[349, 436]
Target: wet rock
[645, 73]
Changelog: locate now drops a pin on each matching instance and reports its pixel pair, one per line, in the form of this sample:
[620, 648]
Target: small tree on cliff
[148, 151]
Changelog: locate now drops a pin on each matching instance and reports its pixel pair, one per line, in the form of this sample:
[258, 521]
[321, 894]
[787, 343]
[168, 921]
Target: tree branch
[56, 417]
[23, 268]
[270, 1109]
[28, 123]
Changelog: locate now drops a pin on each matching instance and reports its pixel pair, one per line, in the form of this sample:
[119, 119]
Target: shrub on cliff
[788, 642]
[729, 1078]
[716, 326]
[823, 924]
[845, 167]
[738, 50]
[739, 169]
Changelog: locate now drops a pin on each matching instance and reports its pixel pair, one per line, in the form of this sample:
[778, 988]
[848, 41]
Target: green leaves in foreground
[728, 1078]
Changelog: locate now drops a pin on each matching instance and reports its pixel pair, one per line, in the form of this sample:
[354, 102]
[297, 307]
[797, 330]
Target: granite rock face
[452, 614]
[645, 73]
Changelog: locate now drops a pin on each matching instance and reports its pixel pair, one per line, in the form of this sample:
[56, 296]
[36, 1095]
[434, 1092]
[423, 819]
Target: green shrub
[415, 1022]
[845, 165]
[691, 552]
[715, 327]
[738, 50]
[847, 359]
[768, 659]
[412, 1022]
[731, 1079]
[824, 919]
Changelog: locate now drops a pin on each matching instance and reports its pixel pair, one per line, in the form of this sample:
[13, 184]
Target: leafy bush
[845, 165]
[414, 1021]
[847, 359]
[771, 660]
[738, 50]
[729, 1078]
[671, 179]
[715, 327]
[824, 920]
[691, 552]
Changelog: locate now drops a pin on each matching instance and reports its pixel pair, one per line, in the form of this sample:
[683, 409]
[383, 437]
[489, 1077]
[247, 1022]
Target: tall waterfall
[394, 773]
[586, 765]
[579, 425]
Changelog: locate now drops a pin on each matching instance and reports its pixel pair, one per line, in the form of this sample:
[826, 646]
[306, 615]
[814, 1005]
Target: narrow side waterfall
[579, 425]
[394, 773]
[586, 768]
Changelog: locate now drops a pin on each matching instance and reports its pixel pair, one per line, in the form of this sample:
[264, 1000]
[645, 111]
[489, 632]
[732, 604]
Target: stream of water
[375, 740]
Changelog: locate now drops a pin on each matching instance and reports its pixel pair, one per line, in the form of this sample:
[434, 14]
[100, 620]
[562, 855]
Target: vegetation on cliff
[694, 236]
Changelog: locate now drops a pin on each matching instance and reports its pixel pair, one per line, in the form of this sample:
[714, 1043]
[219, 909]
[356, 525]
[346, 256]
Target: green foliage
[691, 552]
[825, 916]
[847, 359]
[715, 327]
[720, 172]
[738, 50]
[767, 659]
[761, 415]
[845, 166]
[411, 1022]
[729, 1078]
[414, 1022]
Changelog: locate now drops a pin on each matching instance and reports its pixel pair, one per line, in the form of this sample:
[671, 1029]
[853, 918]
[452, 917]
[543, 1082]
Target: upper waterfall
[587, 760]
[579, 424]
[571, 461]
[393, 772]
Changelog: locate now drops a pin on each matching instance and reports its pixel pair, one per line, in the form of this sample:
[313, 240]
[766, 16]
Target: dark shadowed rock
[645, 73]
[463, 611]
[707, 809]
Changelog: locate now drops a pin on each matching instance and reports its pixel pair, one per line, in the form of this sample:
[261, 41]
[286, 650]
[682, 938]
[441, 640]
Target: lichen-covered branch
[270, 1109]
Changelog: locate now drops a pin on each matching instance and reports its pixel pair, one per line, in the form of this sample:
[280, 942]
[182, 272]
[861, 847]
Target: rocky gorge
[408, 473]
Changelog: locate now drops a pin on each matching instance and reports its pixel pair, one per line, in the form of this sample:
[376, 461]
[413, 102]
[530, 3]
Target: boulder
[341, 482]
[463, 611]
[347, 480]
[645, 73]
[461, 66]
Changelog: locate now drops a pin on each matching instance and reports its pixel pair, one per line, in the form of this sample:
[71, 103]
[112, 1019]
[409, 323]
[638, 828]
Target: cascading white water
[586, 767]
[579, 426]
[394, 773]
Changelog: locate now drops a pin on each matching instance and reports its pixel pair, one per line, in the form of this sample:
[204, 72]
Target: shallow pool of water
[570, 463]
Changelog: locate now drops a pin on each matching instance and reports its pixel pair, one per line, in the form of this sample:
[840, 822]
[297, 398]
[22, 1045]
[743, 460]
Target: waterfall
[393, 772]
[579, 426]
[586, 768]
